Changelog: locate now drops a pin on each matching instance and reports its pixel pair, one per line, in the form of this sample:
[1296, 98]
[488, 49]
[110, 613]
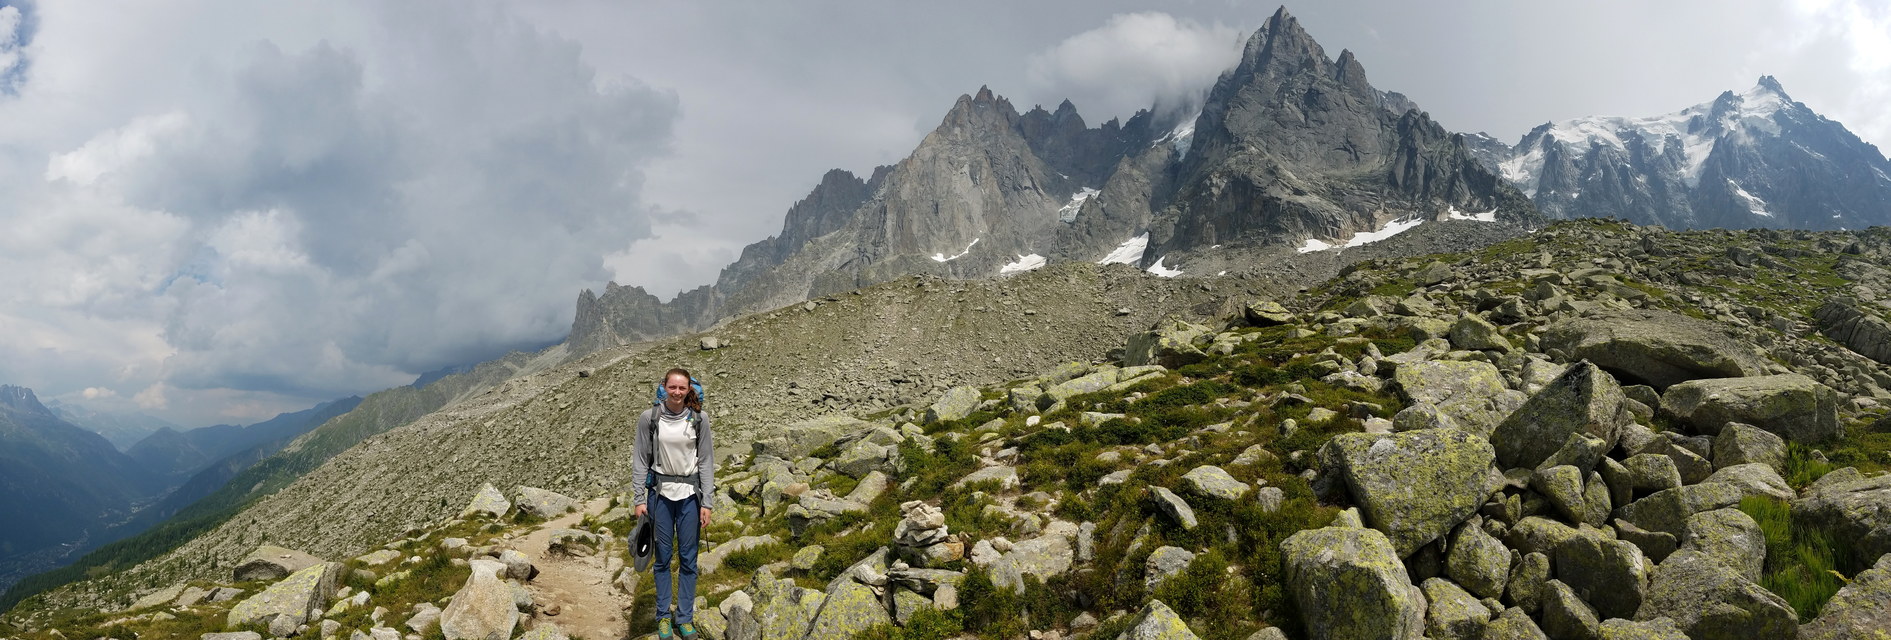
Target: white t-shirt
[676, 455]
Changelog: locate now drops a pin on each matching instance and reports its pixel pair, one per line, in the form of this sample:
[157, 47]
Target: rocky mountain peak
[21, 400]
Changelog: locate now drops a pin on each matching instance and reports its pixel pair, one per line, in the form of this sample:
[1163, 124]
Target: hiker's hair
[693, 401]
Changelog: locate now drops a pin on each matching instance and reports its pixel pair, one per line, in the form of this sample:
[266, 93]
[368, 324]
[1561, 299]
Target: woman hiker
[675, 460]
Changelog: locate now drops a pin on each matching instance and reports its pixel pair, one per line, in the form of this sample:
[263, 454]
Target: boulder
[488, 502]
[1793, 406]
[1513, 624]
[1711, 601]
[955, 404]
[292, 598]
[1596, 501]
[1474, 333]
[1583, 400]
[1581, 450]
[1730, 536]
[1090, 383]
[575, 542]
[1414, 486]
[709, 561]
[1477, 561]
[850, 606]
[518, 566]
[272, 563]
[541, 503]
[1006, 477]
[1266, 313]
[798, 439]
[1165, 561]
[1740, 443]
[1607, 574]
[777, 609]
[1349, 583]
[1157, 622]
[1855, 508]
[1270, 498]
[1563, 487]
[1653, 347]
[1538, 534]
[426, 614]
[1858, 610]
[485, 608]
[1171, 343]
[1565, 615]
[159, 597]
[1656, 629]
[1753, 479]
[1654, 544]
[1174, 506]
[1851, 324]
[232, 635]
[1525, 588]
[1468, 392]
[862, 458]
[1668, 510]
[1451, 613]
[1213, 482]
[1045, 556]
[1651, 472]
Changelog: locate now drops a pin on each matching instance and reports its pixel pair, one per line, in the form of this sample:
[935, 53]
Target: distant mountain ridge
[1752, 159]
[1290, 146]
[122, 428]
[58, 483]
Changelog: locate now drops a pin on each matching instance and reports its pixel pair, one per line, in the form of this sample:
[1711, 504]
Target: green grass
[1802, 561]
[926, 624]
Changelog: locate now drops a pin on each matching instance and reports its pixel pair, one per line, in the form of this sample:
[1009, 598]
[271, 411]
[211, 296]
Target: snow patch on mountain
[1393, 228]
[1130, 252]
[1488, 216]
[1753, 202]
[1695, 129]
[941, 257]
[1069, 212]
[1022, 264]
[1163, 271]
[1181, 137]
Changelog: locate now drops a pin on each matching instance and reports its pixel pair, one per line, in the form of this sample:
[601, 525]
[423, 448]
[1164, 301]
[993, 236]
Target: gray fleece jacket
[643, 457]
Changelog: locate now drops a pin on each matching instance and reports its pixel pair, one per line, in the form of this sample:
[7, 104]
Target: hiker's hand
[705, 516]
[642, 509]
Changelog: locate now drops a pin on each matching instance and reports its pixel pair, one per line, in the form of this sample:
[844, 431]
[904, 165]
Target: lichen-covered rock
[1656, 629]
[542, 503]
[1730, 536]
[575, 542]
[1513, 624]
[1174, 506]
[1171, 343]
[1164, 562]
[1791, 405]
[1414, 486]
[778, 609]
[1855, 508]
[1214, 482]
[1468, 392]
[1668, 510]
[1596, 503]
[1654, 544]
[1157, 622]
[797, 439]
[1349, 583]
[1045, 556]
[1659, 348]
[1452, 613]
[956, 403]
[1538, 534]
[1740, 443]
[1565, 615]
[1006, 477]
[709, 561]
[488, 502]
[1563, 487]
[232, 635]
[849, 606]
[1583, 400]
[269, 562]
[1858, 611]
[1607, 574]
[1711, 601]
[1651, 472]
[1525, 587]
[292, 598]
[1477, 561]
[484, 608]
[862, 458]
[1473, 332]
[1266, 313]
[1753, 479]
[1580, 450]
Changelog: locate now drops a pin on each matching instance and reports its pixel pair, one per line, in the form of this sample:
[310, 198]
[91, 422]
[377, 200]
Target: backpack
[654, 477]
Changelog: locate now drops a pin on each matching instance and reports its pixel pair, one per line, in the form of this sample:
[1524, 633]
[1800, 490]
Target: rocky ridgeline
[1597, 431]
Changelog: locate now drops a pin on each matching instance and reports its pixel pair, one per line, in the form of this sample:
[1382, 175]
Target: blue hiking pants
[677, 525]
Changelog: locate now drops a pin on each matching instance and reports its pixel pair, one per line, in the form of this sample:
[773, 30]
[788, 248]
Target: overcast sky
[217, 210]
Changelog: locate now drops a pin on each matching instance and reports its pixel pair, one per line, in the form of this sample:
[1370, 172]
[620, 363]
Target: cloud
[299, 203]
[1137, 60]
[1862, 31]
[13, 34]
[98, 393]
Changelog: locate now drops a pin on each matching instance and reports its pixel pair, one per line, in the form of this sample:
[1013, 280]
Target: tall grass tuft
[1802, 561]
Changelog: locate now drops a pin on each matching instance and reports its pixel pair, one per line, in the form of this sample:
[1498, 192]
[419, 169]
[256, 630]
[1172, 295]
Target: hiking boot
[663, 629]
[687, 630]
